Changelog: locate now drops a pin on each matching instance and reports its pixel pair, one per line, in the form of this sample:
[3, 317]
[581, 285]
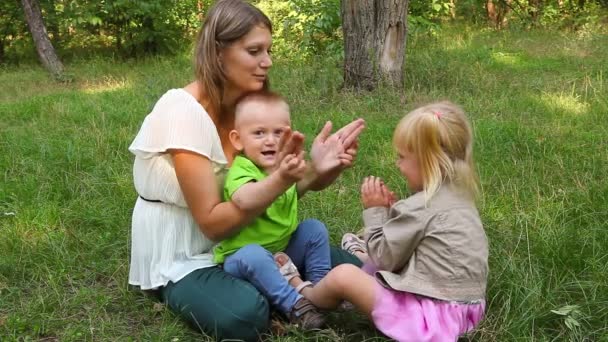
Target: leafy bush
[305, 28]
[125, 27]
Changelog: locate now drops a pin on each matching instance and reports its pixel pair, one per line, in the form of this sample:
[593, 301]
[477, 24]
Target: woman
[182, 152]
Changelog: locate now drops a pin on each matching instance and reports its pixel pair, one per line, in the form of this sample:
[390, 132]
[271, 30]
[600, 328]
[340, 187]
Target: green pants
[219, 305]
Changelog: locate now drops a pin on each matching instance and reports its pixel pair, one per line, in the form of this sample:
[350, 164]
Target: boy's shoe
[306, 315]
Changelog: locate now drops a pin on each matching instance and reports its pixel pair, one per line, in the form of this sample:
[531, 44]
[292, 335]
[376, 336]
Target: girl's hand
[390, 196]
[293, 167]
[375, 194]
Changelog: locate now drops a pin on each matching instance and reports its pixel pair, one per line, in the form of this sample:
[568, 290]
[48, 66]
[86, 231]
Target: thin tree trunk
[199, 7]
[453, 9]
[491, 11]
[536, 9]
[1, 51]
[45, 49]
[374, 42]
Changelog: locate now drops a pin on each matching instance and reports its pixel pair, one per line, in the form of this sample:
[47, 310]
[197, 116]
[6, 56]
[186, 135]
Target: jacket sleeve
[392, 235]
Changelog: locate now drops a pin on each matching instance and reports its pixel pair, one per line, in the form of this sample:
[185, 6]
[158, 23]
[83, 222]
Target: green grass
[538, 102]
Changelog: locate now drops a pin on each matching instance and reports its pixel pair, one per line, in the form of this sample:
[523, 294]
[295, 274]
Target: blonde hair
[226, 22]
[441, 139]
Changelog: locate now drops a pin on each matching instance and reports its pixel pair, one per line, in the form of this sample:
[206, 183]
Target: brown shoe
[306, 315]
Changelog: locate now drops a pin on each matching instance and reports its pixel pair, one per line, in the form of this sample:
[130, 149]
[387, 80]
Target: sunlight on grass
[510, 59]
[106, 84]
[565, 103]
[460, 41]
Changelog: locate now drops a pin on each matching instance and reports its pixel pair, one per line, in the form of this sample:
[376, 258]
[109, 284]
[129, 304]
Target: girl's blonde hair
[440, 137]
[226, 22]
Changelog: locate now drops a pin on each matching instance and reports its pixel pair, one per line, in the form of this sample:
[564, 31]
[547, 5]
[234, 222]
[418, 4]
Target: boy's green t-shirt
[273, 228]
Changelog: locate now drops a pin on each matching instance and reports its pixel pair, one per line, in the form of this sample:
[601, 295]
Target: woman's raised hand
[338, 150]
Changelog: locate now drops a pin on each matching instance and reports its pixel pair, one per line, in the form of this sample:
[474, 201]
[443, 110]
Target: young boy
[262, 181]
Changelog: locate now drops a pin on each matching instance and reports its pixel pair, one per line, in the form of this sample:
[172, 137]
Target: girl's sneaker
[352, 243]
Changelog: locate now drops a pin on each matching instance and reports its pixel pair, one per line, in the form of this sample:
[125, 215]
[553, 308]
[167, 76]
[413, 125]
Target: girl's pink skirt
[408, 317]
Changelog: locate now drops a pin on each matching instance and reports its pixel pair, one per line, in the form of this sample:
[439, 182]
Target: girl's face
[246, 61]
[410, 169]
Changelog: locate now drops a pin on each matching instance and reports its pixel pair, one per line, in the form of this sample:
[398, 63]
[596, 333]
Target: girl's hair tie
[438, 114]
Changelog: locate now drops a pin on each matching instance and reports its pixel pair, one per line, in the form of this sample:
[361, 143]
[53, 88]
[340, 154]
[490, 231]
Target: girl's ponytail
[440, 137]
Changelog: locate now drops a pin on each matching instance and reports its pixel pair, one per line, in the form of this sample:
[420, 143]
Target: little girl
[429, 251]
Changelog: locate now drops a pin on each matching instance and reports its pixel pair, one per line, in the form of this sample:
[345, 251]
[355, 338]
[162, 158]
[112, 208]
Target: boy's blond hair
[260, 96]
[440, 137]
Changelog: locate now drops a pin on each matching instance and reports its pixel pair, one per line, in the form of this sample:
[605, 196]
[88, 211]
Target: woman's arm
[216, 219]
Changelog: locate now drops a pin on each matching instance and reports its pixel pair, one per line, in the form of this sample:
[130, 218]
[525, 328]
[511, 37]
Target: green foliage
[565, 14]
[12, 26]
[124, 27]
[305, 28]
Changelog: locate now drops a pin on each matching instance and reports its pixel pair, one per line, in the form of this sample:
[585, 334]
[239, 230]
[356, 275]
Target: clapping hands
[293, 167]
[338, 150]
[374, 193]
[291, 164]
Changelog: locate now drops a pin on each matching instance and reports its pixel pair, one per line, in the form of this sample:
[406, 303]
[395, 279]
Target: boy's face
[258, 129]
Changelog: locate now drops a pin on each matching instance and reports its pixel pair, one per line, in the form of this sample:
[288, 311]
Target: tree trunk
[45, 49]
[374, 42]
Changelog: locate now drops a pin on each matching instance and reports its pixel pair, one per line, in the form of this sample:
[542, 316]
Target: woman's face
[246, 61]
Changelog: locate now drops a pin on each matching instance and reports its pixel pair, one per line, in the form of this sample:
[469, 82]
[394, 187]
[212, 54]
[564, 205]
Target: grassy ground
[539, 105]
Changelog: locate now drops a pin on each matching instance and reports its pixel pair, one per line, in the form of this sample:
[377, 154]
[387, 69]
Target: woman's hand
[374, 193]
[331, 154]
[335, 151]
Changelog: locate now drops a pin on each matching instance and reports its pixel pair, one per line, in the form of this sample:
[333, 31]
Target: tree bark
[45, 49]
[374, 42]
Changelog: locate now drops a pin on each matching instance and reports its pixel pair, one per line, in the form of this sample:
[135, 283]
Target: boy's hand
[291, 142]
[374, 193]
[293, 167]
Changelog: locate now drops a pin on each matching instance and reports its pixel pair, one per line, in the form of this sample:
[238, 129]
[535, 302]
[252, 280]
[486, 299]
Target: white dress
[166, 243]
